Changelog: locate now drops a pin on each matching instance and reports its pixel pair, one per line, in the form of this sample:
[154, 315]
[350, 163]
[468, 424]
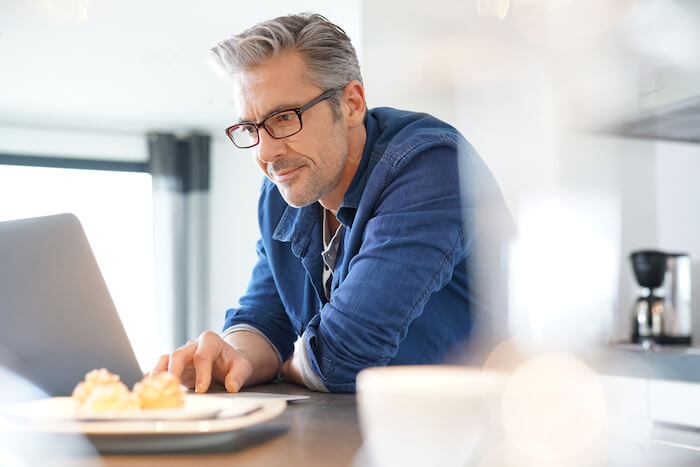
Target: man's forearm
[259, 354]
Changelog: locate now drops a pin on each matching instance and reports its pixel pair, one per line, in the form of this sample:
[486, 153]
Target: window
[115, 209]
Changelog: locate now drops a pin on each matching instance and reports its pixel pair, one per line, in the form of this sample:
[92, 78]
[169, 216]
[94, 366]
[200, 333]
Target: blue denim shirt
[400, 292]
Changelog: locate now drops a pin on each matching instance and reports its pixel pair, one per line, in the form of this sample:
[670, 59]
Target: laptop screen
[58, 319]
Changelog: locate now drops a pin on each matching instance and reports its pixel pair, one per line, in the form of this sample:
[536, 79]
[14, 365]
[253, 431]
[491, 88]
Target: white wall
[678, 209]
[655, 185]
[677, 170]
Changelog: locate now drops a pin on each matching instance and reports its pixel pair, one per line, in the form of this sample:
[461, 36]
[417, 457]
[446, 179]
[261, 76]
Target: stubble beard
[320, 182]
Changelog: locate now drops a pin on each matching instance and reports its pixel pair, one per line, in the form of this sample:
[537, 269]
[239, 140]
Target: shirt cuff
[311, 379]
[254, 330]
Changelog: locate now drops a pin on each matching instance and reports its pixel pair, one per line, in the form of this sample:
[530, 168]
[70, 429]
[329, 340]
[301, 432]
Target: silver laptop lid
[57, 319]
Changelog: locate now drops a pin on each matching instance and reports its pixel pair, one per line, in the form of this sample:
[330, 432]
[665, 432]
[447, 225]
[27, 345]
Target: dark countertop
[320, 431]
[661, 362]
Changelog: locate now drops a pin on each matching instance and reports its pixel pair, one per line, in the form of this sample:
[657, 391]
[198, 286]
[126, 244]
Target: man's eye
[248, 129]
[283, 118]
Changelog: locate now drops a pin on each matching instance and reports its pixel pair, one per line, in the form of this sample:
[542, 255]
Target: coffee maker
[662, 312]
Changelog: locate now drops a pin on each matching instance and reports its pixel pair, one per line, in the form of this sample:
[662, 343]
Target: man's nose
[268, 147]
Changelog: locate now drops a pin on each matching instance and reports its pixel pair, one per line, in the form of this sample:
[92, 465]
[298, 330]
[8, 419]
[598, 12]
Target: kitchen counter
[317, 432]
[324, 431]
[659, 362]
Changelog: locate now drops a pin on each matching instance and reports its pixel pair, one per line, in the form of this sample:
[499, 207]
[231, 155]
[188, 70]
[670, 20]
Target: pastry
[160, 391]
[112, 396]
[103, 391]
[93, 379]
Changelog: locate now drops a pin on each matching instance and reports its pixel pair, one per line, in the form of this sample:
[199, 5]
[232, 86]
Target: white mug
[427, 414]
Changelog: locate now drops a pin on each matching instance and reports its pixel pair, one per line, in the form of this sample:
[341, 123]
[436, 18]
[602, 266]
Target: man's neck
[333, 222]
[357, 138]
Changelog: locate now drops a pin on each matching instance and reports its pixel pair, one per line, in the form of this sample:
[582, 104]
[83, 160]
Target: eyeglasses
[278, 125]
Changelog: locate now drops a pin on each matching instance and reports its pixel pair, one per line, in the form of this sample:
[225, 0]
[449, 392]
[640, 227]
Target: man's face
[307, 166]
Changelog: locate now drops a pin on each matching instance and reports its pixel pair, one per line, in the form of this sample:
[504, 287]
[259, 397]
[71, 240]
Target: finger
[188, 377]
[208, 350]
[162, 364]
[181, 357]
[238, 374]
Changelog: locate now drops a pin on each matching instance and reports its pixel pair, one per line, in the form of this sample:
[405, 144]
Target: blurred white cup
[427, 414]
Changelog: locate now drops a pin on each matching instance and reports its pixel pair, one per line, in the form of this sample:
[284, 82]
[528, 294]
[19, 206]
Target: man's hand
[207, 358]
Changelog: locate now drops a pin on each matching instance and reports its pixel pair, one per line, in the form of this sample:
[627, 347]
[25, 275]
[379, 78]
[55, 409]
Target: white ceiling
[131, 65]
[137, 66]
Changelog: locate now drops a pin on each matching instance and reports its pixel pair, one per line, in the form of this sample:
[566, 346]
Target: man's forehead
[251, 106]
[255, 103]
[273, 85]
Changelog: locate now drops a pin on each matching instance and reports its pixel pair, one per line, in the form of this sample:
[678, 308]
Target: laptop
[57, 319]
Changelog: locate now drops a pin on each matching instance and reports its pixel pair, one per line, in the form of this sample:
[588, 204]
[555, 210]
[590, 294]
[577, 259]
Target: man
[363, 257]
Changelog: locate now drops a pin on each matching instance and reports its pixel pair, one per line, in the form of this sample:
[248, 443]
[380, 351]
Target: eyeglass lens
[279, 125]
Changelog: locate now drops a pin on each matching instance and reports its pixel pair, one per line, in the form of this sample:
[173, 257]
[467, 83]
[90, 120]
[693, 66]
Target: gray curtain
[180, 170]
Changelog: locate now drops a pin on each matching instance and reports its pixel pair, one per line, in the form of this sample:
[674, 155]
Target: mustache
[284, 164]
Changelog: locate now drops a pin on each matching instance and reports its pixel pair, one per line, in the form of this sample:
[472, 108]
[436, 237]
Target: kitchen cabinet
[676, 121]
[665, 412]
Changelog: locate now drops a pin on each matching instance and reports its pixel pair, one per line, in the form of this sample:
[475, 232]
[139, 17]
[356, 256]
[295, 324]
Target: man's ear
[354, 101]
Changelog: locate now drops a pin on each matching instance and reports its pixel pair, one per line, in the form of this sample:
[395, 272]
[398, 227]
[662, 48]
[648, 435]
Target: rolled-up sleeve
[410, 247]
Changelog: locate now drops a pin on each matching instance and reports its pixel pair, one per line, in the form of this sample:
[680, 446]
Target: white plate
[196, 407]
[267, 395]
[152, 435]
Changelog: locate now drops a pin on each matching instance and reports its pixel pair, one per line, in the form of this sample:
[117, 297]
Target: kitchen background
[587, 111]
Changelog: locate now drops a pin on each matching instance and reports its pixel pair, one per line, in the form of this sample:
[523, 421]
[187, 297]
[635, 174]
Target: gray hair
[330, 58]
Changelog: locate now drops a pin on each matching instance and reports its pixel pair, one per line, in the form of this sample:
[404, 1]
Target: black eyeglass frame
[299, 110]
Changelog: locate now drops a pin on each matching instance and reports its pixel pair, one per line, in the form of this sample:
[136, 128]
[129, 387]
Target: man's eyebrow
[278, 108]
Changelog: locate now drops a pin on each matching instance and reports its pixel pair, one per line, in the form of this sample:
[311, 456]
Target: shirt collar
[296, 225]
